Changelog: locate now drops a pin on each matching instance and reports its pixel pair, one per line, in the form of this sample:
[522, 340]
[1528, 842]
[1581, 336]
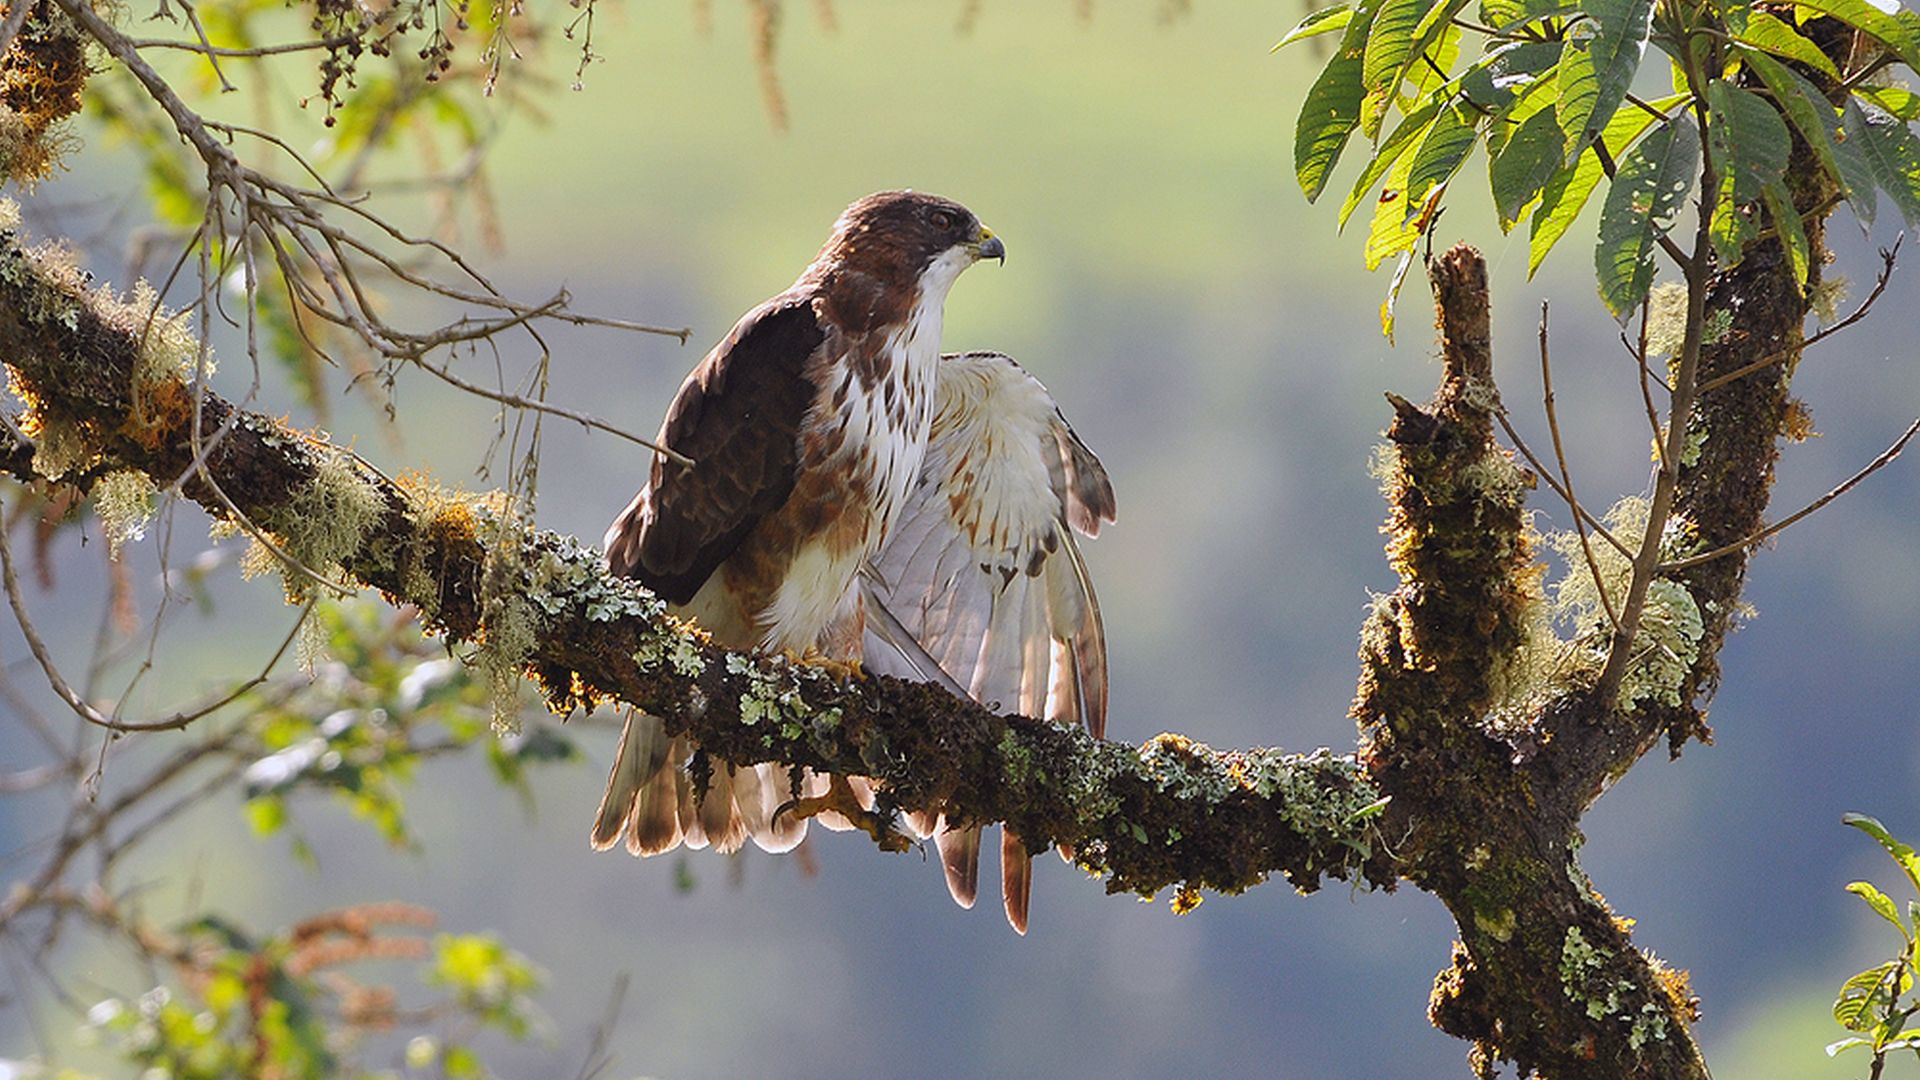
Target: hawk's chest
[886, 415]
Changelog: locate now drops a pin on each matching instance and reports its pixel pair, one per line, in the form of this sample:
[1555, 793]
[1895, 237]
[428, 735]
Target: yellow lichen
[40, 84]
[1796, 424]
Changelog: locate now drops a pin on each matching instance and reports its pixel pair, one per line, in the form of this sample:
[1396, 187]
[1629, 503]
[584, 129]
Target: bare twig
[1540, 470]
[17, 12]
[1566, 474]
[1887, 257]
[1886, 457]
[206, 46]
[580, 418]
[597, 1057]
[78, 704]
[1685, 386]
[1639, 354]
[212, 51]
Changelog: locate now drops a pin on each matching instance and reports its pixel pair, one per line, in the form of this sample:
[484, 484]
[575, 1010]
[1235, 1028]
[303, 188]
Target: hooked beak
[990, 246]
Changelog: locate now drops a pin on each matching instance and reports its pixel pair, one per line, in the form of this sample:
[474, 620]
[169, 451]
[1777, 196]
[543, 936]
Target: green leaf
[1764, 31]
[1502, 14]
[1598, 67]
[1567, 193]
[1863, 997]
[1436, 45]
[1332, 108]
[1324, 21]
[1403, 139]
[1750, 145]
[1392, 230]
[1864, 15]
[1851, 1042]
[1892, 156]
[1897, 100]
[1651, 183]
[1902, 854]
[1793, 234]
[267, 815]
[1881, 904]
[1413, 128]
[1528, 158]
[1819, 124]
[1384, 62]
[1442, 152]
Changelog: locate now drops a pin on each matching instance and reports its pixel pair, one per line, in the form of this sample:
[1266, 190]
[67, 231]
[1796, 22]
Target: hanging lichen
[124, 502]
[320, 524]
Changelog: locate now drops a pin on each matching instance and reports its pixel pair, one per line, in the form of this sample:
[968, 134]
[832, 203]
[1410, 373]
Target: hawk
[827, 432]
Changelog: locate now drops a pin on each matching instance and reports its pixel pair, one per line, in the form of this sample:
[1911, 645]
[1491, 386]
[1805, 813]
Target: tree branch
[1174, 813]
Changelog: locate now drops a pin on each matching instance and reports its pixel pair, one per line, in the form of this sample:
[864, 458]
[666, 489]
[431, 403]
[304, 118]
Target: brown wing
[738, 417]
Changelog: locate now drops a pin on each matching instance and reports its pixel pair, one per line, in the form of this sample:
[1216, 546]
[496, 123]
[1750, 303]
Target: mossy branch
[1172, 814]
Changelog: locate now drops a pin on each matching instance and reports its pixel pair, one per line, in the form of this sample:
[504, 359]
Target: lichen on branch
[1175, 814]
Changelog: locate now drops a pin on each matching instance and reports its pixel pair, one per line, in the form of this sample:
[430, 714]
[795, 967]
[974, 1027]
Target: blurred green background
[1215, 340]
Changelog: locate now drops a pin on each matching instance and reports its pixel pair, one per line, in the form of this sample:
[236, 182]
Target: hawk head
[910, 238]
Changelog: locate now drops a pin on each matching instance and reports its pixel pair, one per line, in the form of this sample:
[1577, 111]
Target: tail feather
[719, 815]
[921, 823]
[960, 855]
[643, 749]
[656, 819]
[773, 835]
[1016, 878]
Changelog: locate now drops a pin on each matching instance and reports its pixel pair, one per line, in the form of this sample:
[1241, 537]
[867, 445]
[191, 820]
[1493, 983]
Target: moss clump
[169, 357]
[321, 523]
[124, 501]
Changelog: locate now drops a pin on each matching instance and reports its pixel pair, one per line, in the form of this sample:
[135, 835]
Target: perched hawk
[823, 425]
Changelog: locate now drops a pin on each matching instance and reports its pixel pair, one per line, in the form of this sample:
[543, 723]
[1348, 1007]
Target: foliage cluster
[1550, 97]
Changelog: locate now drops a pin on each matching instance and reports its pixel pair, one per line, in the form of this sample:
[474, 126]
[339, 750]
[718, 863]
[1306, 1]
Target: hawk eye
[942, 219]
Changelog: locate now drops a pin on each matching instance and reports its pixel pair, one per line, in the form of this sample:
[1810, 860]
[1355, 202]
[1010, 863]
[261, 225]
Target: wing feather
[738, 417]
[985, 576]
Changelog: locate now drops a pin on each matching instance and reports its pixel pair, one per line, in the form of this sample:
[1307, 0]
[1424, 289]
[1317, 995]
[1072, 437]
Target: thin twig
[580, 418]
[211, 51]
[1646, 376]
[597, 1057]
[1743, 543]
[1566, 474]
[206, 47]
[1685, 386]
[1540, 470]
[1887, 257]
[17, 12]
[79, 704]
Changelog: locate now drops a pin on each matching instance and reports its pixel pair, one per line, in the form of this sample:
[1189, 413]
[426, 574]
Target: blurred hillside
[1215, 340]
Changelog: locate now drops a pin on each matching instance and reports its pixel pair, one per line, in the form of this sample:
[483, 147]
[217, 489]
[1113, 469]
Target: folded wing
[982, 579]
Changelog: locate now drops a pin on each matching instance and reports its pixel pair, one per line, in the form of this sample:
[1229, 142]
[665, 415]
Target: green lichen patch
[124, 501]
[320, 525]
[1670, 625]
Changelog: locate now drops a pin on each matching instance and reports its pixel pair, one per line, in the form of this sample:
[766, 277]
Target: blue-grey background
[1216, 342]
